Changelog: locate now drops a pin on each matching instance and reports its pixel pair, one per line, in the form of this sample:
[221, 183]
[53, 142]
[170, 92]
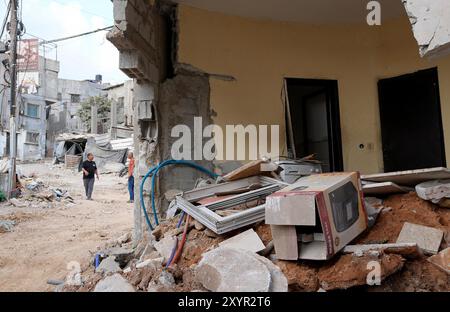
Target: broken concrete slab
[153, 263]
[384, 188]
[409, 177]
[434, 191]
[409, 250]
[17, 203]
[427, 238]
[114, 283]
[165, 246]
[247, 240]
[442, 260]
[121, 254]
[6, 226]
[166, 279]
[108, 265]
[125, 238]
[278, 281]
[232, 270]
[430, 22]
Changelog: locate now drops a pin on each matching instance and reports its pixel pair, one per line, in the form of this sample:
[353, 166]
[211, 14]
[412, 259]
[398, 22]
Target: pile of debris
[255, 232]
[35, 193]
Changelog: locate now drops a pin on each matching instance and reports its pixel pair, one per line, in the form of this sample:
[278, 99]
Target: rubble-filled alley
[43, 237]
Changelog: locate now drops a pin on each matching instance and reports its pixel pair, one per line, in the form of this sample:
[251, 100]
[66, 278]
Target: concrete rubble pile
[34, 193]
[319, 233]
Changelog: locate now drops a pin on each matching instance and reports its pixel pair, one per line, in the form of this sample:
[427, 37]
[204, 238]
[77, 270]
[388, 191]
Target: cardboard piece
[285, 241]
[327, 207]
[247, 240]
[442, 260]
[427, 238]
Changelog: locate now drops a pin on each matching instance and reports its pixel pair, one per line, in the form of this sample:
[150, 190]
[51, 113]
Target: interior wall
[261, 53]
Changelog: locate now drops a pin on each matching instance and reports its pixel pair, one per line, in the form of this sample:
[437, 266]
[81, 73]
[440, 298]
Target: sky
[80, 58]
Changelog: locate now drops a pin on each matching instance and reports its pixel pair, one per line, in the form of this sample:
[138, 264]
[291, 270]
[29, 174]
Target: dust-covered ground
[50, 237]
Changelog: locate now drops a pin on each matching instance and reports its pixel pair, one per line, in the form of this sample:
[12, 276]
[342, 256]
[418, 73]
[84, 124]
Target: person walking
[131, 177]
[90, 170]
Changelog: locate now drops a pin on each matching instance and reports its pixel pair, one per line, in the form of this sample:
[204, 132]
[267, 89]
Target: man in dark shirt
[89, 172]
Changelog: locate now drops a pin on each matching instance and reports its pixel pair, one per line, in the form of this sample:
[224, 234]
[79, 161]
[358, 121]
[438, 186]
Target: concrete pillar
[114, 120]
[94, 119]
[144, 154]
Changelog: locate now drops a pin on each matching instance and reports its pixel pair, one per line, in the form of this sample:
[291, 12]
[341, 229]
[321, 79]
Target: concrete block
[108, 265]
[165, 247]
[114, 283]
[247, 240]
[434, 191]
[122, 255]
[442, 260]
[6, 226]
[427, 238]
[232, 270]
[153, 263]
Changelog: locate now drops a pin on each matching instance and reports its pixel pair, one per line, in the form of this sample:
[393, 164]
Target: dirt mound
[401, 209]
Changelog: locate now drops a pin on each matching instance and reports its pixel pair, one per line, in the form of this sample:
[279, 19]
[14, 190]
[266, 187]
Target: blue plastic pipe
[153, 172]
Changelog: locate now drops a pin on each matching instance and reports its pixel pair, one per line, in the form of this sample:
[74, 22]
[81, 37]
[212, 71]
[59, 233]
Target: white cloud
[80, 58]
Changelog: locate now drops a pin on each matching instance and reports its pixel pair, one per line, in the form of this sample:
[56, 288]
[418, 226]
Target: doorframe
[333, 118]
[435, 73]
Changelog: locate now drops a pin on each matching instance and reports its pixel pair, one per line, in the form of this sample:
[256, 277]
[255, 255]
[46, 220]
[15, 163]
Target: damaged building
[337, 86]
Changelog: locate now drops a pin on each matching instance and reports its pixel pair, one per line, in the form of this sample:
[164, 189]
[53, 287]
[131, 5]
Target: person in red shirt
[131, 176]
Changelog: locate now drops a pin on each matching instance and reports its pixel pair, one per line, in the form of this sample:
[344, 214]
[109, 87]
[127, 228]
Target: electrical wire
[183, 241]
[8, 10]
[76, 36]
[175, 247]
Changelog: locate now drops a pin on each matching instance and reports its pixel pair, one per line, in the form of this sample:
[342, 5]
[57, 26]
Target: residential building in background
[48, 105]
[122, 109]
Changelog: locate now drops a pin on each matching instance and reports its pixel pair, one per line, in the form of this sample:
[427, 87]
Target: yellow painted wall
[260, 53]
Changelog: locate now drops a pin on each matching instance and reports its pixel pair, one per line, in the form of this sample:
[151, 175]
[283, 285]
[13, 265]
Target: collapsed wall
[145, 33]
[430, 20]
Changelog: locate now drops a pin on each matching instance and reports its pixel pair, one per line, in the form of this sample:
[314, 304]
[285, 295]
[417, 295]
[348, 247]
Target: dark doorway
[313, 121]
[411, 122]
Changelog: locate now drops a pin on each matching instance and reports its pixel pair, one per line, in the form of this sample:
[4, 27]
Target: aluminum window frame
[206, 214]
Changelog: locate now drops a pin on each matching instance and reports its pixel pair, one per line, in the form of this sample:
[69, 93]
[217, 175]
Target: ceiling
[306, 11]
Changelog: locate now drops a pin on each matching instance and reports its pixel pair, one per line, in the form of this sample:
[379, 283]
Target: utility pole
[13, 31]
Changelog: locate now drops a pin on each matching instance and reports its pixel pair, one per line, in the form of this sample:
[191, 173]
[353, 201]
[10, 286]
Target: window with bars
[75, 98]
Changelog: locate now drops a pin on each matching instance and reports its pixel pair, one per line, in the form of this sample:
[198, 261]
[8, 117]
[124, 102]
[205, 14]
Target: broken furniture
[317, 216]
[208, 212]
[253, 168]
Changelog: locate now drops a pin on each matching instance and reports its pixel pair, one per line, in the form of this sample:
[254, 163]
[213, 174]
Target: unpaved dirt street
[45, 240]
